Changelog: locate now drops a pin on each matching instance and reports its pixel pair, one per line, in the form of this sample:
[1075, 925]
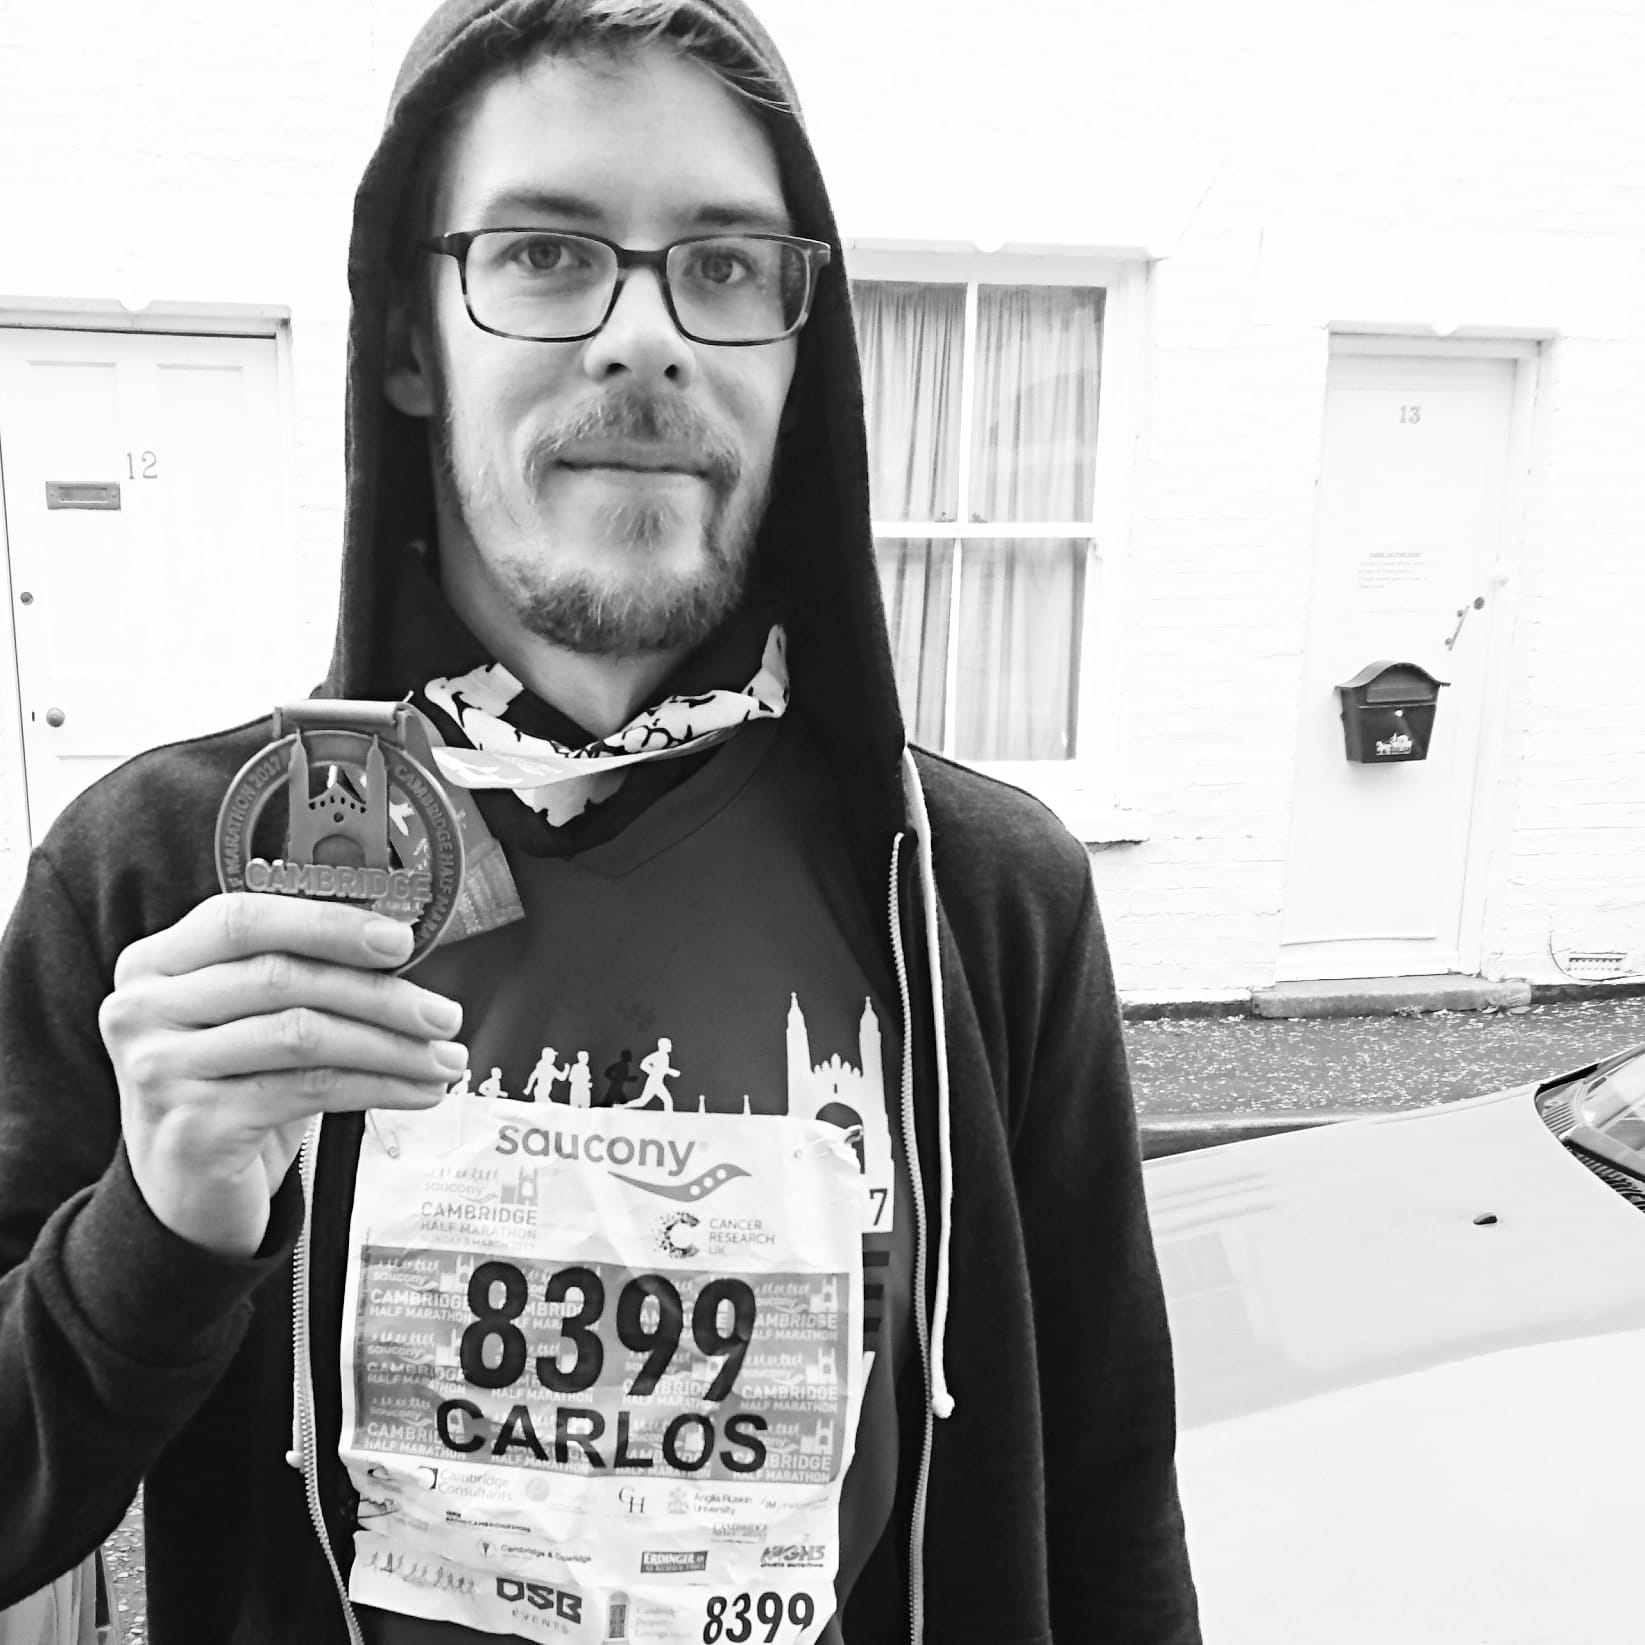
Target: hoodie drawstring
[942, 1401]
[303, 1455]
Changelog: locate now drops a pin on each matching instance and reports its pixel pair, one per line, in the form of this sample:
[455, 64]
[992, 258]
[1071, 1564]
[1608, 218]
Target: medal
[364, 820]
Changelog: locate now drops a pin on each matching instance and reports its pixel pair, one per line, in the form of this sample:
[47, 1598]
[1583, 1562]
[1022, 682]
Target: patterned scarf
[559, 783]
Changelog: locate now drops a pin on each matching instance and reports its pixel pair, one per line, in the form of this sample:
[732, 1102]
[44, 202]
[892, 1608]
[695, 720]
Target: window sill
[1088, 811]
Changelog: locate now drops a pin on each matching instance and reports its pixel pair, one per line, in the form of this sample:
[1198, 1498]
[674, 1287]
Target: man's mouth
[632, 458]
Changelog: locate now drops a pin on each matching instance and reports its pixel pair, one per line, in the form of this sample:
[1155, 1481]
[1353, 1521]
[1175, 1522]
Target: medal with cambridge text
[362, 822]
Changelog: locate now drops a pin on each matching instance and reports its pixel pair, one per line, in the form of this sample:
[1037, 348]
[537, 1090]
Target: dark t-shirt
[715, 953]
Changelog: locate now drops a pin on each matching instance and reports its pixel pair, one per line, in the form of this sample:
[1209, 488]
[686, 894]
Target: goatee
[635, 611]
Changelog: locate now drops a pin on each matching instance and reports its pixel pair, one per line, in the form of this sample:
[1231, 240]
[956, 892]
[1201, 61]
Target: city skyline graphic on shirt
[834, 1091]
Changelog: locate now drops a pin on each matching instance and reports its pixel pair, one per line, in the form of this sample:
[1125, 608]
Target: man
[608, 529]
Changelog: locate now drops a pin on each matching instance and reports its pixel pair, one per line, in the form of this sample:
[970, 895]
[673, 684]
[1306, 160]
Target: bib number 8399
[653, 1330]
[746, 1611]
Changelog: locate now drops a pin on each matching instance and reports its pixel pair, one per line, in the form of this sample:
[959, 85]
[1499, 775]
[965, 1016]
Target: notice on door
[1387, 570]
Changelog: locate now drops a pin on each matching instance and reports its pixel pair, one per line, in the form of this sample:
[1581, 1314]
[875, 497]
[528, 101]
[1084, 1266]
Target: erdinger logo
[671, 1561]
[541, 1597]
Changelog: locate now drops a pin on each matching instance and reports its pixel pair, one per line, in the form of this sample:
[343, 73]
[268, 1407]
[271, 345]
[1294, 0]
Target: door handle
[1462, 617]
[55, 716]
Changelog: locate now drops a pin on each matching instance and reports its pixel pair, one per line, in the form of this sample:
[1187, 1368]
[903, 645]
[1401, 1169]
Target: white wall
[1421, 166]
[178, 158]
[1288, 164]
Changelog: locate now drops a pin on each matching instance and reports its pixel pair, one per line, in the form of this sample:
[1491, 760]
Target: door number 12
[150, 465]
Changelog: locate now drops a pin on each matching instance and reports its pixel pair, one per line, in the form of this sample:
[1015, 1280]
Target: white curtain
[1034, 400]
[1034, 422]
[1019, 625]
[916, 583]
[912, 339]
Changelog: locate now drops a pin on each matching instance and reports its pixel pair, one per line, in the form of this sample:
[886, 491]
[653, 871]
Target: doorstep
[1388, 996]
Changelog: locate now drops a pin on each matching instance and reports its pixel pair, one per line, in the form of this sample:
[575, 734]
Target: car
[1407, 1351]
[77, 1609]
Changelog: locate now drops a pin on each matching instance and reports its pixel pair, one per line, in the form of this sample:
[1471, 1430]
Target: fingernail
[449, 1054]
[444, 1016]
[388, 938]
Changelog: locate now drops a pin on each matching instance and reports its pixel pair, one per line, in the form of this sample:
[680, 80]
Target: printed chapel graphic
[852, 1098]
[336, 826]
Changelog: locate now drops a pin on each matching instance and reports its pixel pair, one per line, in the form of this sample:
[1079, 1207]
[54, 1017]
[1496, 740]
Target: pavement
[124, 1554]
[1373, 996]
[1214, 1065]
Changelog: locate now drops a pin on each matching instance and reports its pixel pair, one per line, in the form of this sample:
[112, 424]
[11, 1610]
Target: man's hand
[231, 1029]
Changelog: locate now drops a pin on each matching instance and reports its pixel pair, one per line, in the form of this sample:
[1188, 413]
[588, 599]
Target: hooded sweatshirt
[1035, 1497]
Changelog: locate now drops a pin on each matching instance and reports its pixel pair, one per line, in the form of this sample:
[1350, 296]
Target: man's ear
[408, 384]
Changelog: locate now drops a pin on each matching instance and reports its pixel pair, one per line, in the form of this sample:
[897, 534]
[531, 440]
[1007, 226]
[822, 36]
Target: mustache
[645, 419]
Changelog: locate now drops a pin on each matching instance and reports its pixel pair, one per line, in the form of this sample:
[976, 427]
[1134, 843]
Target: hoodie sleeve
[1118, 1564]
[112, 1329]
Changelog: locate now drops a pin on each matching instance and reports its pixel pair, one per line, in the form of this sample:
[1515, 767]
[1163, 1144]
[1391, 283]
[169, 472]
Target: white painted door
[1408, 535]
[156, 616]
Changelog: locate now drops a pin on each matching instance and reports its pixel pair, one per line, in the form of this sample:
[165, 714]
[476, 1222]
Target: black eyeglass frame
[816, 252]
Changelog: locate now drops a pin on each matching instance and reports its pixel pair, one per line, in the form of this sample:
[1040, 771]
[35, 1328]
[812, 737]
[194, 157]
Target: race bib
[601, 1373]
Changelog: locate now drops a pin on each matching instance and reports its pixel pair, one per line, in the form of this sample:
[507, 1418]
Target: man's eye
[720, 266]
[538, 256]
[541, 254]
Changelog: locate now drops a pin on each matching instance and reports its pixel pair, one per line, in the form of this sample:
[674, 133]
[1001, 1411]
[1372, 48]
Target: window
[982, 401]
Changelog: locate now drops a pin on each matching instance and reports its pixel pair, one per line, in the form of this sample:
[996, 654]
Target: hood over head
[814, 555]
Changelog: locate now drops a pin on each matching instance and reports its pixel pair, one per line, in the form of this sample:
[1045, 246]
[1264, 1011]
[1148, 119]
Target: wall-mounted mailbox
[1388, 712]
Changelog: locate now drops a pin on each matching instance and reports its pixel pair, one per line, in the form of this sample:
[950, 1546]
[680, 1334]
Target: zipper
[307, 1449]
[911, 1153]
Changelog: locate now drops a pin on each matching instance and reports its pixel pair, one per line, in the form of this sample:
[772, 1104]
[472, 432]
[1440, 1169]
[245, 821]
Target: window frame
[1087, 791]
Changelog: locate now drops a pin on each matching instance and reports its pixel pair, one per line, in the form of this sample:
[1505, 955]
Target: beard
[638, 605]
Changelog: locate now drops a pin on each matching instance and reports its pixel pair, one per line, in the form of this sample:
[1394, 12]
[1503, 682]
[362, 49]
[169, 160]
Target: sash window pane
[916, 583]
[1021, 605]
[912, 339]
[1034, 430]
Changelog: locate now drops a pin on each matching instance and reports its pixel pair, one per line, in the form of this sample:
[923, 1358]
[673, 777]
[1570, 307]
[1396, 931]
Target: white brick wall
[1410, 162]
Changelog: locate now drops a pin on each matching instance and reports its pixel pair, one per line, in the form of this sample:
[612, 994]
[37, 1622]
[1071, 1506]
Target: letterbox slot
[95, 494]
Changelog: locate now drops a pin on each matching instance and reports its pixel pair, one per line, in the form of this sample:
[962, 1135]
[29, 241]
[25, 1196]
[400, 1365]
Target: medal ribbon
[558, 782]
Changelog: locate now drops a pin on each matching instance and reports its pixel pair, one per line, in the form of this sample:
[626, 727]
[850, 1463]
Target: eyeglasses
[542, 286]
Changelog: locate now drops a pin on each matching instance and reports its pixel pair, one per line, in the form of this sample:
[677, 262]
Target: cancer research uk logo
[673, 1158]
[673, 1235]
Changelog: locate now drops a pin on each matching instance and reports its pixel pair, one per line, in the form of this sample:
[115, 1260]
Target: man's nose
[640, 337]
